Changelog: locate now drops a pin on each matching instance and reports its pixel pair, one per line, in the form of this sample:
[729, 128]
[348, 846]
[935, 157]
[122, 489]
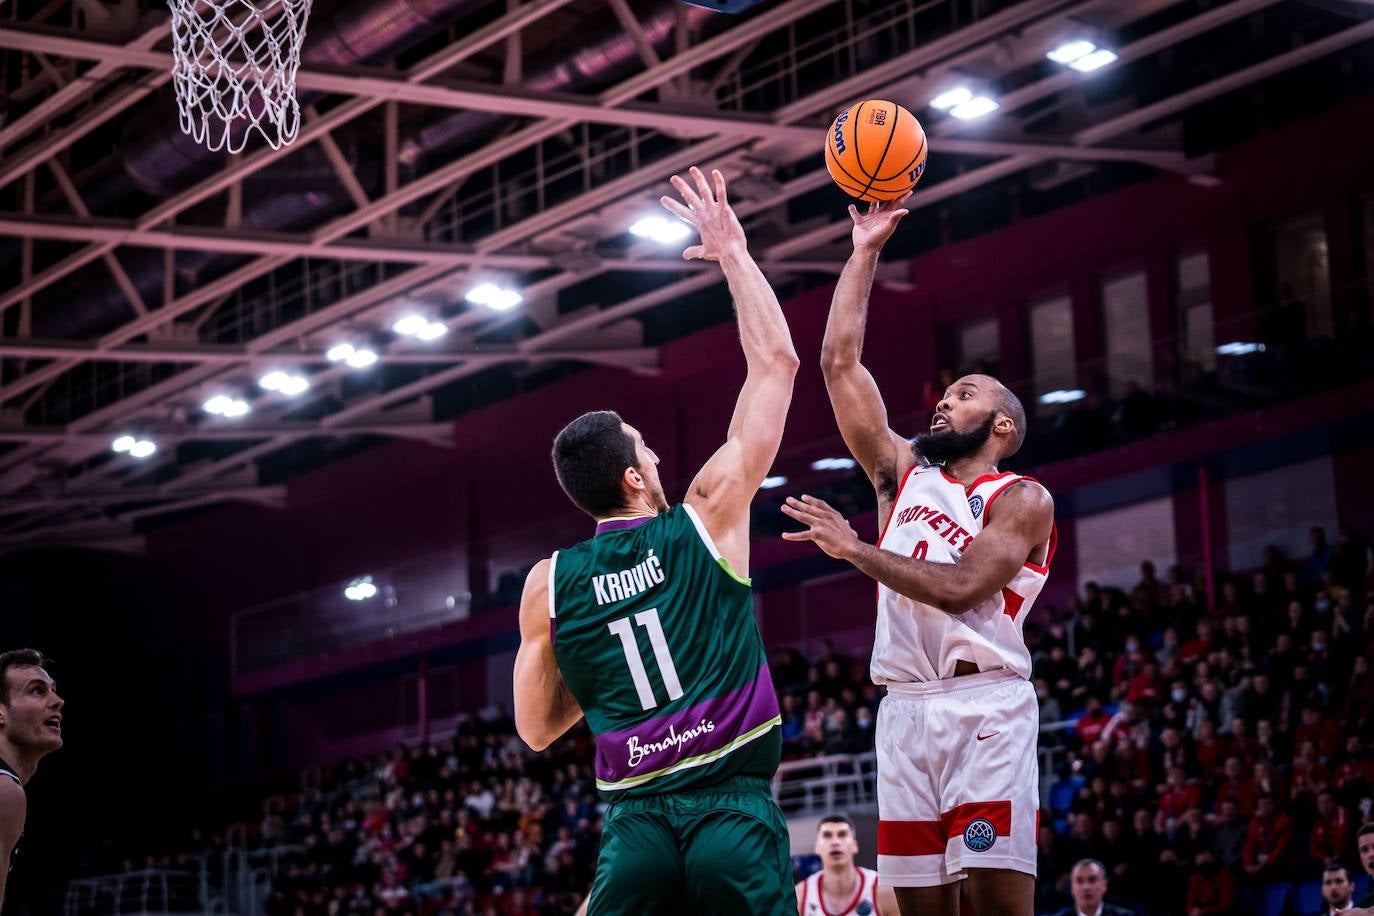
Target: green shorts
[722, 850]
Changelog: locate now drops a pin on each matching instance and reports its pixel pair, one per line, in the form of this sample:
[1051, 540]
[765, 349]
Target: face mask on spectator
[1318, 647]
[1179, 695]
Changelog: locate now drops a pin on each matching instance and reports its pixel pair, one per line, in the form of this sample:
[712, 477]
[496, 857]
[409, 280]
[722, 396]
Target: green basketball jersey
[655, 636]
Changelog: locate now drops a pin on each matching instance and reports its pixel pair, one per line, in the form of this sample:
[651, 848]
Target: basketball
[876, 150]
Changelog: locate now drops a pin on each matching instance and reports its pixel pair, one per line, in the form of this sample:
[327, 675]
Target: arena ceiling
[446, 143]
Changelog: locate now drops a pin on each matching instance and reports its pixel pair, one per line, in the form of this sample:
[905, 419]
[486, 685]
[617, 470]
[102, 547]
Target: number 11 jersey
[655, 636]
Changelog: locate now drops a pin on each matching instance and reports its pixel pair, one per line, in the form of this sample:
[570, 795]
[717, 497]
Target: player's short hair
[1009, 404]
[1334, 865]
[17, 658]
[1089, 863]
[836, 819]
[590, 456]
[1366, 830]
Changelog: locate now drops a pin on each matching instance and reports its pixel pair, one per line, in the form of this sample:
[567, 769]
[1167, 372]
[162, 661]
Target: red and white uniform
[864, 902]
[958, 780]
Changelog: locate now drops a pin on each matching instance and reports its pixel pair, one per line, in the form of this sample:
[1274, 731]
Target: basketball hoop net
[235, 69]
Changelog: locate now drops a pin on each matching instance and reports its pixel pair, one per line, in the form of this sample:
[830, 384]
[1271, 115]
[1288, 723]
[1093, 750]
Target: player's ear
[1004, 424]
[632, 478]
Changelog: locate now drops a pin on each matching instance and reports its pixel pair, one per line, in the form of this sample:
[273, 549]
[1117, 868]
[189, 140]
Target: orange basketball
[876, 150]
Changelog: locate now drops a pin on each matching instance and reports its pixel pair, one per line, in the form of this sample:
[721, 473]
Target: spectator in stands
[1336, 889]
[1090, 725]
[1211, 888]
[1230, 834]
[1269, 843]
[1088, 882]
[1320, 558]
[1330, 831]
[1365, 847]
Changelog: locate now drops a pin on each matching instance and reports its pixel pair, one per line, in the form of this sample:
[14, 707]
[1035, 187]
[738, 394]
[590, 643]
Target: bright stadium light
[1063, 396]
[361, 359]
[1094, 61]
[771, 482]
[1240, 348]
[433, 331]
[496, 298]
[1070, 51]
[976, 107]
[339, 352]
[832, 464]
[660, 229]
[951, 97]
[284, 383]
[411, 325]
[360, 589]
[222, 405]
[123, 443]
[142, 448]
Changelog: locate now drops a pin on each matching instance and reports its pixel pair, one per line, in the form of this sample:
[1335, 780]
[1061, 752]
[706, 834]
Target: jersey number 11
[649, 621]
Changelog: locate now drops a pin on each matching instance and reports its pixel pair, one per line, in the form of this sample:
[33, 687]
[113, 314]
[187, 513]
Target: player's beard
[946, 446]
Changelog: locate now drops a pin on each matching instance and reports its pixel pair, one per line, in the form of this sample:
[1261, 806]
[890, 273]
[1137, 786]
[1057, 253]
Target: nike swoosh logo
[987, 736]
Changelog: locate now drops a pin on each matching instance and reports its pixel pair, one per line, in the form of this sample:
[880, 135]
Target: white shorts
[958, 778]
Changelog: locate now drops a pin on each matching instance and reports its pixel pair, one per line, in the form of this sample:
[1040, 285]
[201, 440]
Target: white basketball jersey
[864, 903]
[936, 518]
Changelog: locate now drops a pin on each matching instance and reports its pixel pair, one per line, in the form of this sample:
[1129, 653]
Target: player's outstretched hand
[825, 526]
[708, 211]
[875, 226]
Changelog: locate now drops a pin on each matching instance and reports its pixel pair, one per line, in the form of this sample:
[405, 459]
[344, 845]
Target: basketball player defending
[841, 888]
[648, 629]
[30, 729]
[963, 553]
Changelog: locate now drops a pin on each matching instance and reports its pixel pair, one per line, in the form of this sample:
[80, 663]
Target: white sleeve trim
[553, 564]
[701, 531]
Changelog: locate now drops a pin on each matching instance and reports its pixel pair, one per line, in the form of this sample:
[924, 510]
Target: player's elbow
[836, 360]
[537, 738]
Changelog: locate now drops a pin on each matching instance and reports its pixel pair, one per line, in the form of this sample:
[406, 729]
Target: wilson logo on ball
[876, 150]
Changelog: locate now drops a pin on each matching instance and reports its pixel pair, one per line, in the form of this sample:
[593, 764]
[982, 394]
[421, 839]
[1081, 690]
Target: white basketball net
[235, 69]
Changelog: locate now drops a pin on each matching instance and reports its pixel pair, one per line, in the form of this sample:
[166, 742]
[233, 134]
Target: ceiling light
[283, 383]
[976, 107]
[497, 298]
[1063, 396]
[771, 482]
[432, 331]
[1240, 348]
[1094, 61]
[123, 443]
[660, 229]
[410, 325]
[222, 405]
[294, 385]
[339, 352]
[1070, 51]
[142, 448]
[360, 589]
[361, 359]
[951, 97]
[832, 464]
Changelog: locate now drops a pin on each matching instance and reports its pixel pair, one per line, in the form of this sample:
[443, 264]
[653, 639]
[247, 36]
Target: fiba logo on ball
[979, 835]
[975, 503]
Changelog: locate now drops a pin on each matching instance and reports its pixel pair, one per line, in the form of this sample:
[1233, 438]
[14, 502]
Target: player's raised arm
[544, 708]
[859, 409]
[1024, 520]
[723, 489]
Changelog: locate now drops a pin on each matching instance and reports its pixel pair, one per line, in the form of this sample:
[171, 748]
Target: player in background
[30, 729]
[842, 888]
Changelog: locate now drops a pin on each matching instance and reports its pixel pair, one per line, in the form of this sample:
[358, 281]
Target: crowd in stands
[1220, 753]
[1211, 753]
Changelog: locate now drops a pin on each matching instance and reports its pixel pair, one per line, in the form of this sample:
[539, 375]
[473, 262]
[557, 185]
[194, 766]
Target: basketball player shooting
[648, 629]
[842, 888]
[963, 553]
[30, 729]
